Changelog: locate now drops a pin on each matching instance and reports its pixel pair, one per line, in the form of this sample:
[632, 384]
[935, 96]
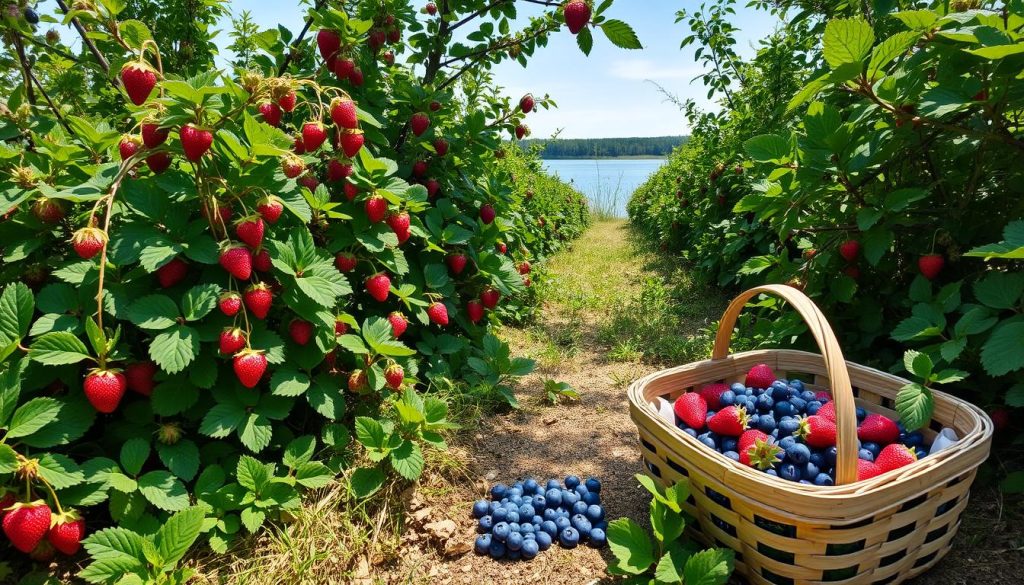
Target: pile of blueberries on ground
[521, 521]
[788, 430]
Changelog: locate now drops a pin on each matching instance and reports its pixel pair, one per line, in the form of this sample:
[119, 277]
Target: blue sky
[605, 95]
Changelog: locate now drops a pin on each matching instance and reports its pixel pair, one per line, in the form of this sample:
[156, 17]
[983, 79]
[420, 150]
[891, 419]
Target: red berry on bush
[456, 263]
[229, 303]
[232, 340]
[526, 104]
[66, 532]
[490, 297]
[438, 313]
[398, 324]
[577, 15]
[158, 162]
[287, 101]
[270, 209]
[138, 79]
[345, 261]
[104, 389]
[271, 113]
[849, 250]
[249, 365]
[249, 230]
[441, 146]
[128, 146]
[172, 273]
[394, 375]
[419, 123]
[487, 213]
[376, 208]
[351, 142]
[931, 265]
[328, 42]
[378, 286]
[314, 134]
[237, 261]
[26, 524]
[88, 242]
[474, 310]
[343, 112]
[139, 377]
[258, 299]
[195, 141]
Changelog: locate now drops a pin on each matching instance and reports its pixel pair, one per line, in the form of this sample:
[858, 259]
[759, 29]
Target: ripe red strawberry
[818, 432]
[237, 262]
[153, 135]
[271, 113]
[313, 135]
[376, 208]
[577, 15]
[878, 428]
[867, 470]
[88, 242]
[67, 532]
[526, 103]
[895, 456]
[389, 57]
[420, 168]
[343, 113]
[232, 340]
[692, 409]
[287, 101]
[378, 286]
[309, 181]
[441, 146]
[340, 326]
[336, 171]
[258, 299]
[301, 331]
[398, 323]
[345, 261]
[329, 42]
[490, 297]
[828, 410]
[229, 303]
[351, 191]
[104, 389]
[394, 375]
[521, 131]
[270, 209]
[759, 376]
[249, 365]
[757, 449]
[250, 230]
[394, 35]
[128, 146]
[292, 166]
[356, 77]
[48, 210]
[438, 313]
[138, 79]
[158, 162]
[172, 273]
[849, 250]
[376, 38]
[343, 68]
[712, 393]
[399, 223]
[526, 281]
[25, 524]
[524, 267]
[195, 141]
[298, 147]
[419, 123]
[475, 311]
[501, 247]
[357, 382]
[433, 186]
[139, 377]
[487, 213]
[456, 262]
[431, 8]
[351, 142]
[730, 421]
[822, 396]
[930, 265]
[435, 106]
[261, 260]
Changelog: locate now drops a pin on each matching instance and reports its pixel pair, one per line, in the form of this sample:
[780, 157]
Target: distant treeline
[607, 147]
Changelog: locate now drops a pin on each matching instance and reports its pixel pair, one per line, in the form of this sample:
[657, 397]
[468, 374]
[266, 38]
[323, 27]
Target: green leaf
[177, 535]
[181, 458]
[708, 567]
[222, 419]
[174, 350]
[16, 307]
[769, 148]
[313, 475]
[585, 40]
[918, 364]
[153, 312]
[164, 491]
[877, 241]
[134, 453]
[670, 567]
[620, 34]
[365, 481]
[915, 405]
[59, 471]
[252, 519]
[58, 348]
[173, 397]
[847, 41]
[948, 376]
[8, 459]
[889, 49]
[408, 460]
[1015, 396]
[289, 382]
[917, 19]
[252, 474]
[32, 416]
[633, 551]
[256, 432]
[1000, 290]
[199, 301]
[1002, 353]
[998, 51]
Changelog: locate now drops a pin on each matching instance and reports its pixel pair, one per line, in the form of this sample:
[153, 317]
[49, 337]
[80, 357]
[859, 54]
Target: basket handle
[842, 389]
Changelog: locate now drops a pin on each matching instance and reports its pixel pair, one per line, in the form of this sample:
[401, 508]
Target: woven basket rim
[929, 471]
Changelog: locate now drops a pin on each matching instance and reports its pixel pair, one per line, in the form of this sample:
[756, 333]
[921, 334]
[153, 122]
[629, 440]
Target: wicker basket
[879, 531]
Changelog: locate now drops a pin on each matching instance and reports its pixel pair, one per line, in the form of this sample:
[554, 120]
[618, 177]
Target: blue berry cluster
[519, 522]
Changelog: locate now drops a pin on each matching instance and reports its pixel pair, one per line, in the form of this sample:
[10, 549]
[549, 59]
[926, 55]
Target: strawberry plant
[876, 175]
[224, 287]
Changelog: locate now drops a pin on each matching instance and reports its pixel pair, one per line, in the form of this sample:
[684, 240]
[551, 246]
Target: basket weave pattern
[881, 531]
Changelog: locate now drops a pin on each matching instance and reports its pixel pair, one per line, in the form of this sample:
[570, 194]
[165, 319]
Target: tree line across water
[647, 146]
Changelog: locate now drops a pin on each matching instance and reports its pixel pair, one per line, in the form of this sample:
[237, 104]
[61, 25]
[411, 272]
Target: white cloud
[640, 69]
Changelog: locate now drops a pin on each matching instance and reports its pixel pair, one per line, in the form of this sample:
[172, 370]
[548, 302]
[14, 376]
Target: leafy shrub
[238, 405]
[884, 184]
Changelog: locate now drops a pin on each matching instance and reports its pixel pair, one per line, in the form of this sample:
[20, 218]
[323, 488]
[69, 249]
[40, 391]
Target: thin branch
[302, 35]
[20, 49]
[48, 47]
[480, 12]
[85, 38]
[53, 106]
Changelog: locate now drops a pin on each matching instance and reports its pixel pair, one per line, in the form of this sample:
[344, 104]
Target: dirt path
[595, 437]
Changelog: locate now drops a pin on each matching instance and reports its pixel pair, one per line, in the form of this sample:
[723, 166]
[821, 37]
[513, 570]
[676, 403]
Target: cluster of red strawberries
[34, 530]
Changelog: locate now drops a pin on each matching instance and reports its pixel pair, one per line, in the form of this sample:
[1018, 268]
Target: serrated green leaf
[1002, 353]
[32, 416]
[1000, 290]
[915, 405]
[256, 432]
[8, 459]
[252, 474]
[174, 349]
[620, 34]
[16, 307]
[313, 475]
[847, 41]
[289, 382]
[178, 534]
[918, 363]
[221, 420]
[59, 471]
[163, 490]
[252, 519]
[633, 551]
[365, 481]
[154, 312]
[181, 458]
[199, 301]
[134, 453]
[708, 567]
[300, 450]
[408, 460]
[58, 348]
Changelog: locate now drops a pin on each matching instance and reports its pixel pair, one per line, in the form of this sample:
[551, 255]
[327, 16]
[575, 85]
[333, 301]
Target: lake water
[608, 183]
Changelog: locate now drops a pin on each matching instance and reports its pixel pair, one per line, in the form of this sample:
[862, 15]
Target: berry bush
[225, 287]
[869, 157]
